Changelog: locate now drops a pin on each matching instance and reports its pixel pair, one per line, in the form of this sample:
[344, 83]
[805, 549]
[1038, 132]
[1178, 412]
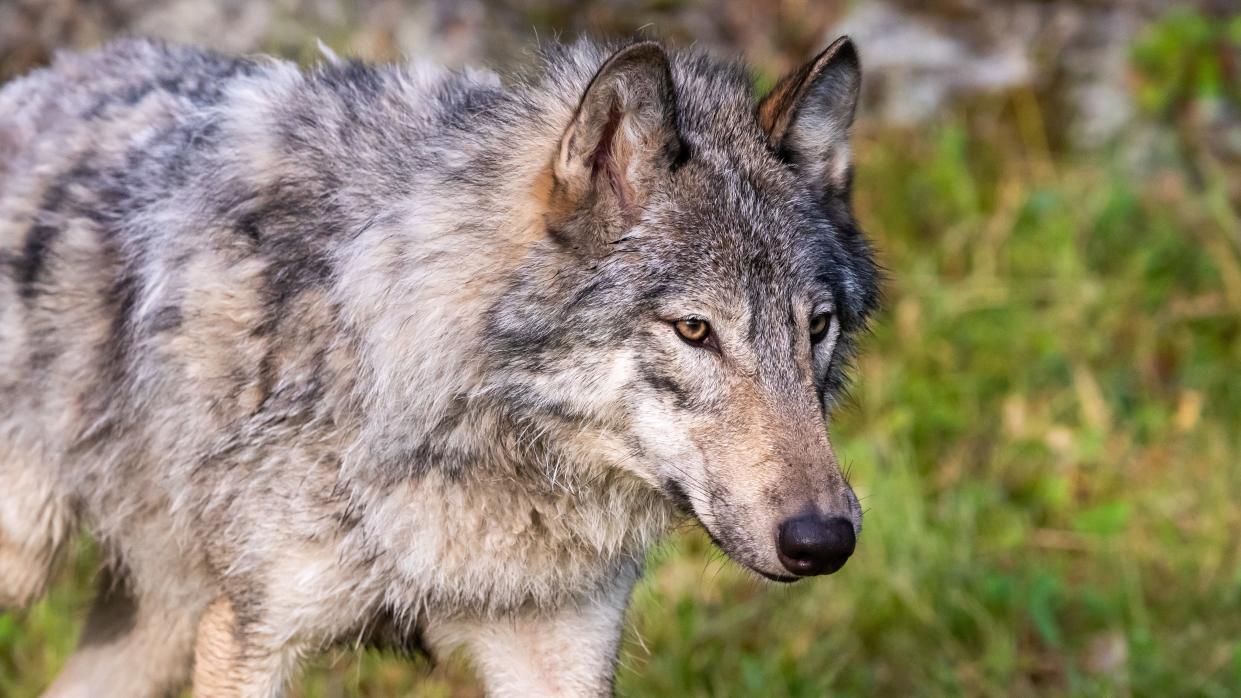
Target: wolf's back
[53, 114]
[88, 148]
[105, 252]
[66, 134]
[159, 323]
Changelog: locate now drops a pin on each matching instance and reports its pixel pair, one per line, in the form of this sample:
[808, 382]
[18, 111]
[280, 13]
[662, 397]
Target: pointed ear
[808, 114]
[621, 141]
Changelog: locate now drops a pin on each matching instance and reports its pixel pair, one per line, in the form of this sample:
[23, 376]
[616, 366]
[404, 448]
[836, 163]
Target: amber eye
[818, 327]
[694, 330]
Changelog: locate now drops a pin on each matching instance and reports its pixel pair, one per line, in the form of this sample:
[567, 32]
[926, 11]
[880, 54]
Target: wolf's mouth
[681, 500]
[783, 579]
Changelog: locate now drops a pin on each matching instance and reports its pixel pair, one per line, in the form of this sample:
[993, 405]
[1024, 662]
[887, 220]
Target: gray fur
[317, 344]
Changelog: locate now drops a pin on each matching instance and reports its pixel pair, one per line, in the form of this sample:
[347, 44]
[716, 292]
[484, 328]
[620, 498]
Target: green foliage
[1186, 57]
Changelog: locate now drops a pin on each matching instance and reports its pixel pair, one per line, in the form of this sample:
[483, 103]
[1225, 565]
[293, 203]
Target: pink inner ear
[603, 149]
[603, 158]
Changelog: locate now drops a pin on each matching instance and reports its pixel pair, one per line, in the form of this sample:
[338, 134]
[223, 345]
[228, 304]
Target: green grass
[1045, 432]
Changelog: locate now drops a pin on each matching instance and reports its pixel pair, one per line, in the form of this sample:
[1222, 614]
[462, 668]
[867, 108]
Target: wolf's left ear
[808, 114]
[622, 139]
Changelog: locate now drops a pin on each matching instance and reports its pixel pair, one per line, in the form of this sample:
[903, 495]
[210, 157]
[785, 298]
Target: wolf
[396, 354]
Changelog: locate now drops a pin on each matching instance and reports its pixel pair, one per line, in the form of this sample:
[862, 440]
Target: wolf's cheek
[664, 454]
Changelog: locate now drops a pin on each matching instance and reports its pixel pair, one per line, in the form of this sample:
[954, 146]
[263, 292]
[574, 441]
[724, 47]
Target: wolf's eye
[693, 330]
[818, 327]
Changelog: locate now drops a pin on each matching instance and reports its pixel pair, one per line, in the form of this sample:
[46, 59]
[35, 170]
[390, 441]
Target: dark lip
[776, 577]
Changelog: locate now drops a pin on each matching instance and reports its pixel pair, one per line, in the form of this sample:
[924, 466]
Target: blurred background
[1045, 422]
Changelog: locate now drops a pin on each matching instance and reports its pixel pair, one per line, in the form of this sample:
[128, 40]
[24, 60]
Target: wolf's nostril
[809, 545]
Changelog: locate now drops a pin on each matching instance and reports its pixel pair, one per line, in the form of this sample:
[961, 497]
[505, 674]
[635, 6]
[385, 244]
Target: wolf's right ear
[623, 139]
[808, 114]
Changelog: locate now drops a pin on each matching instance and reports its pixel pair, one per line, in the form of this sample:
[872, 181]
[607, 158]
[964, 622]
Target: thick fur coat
[396, 353]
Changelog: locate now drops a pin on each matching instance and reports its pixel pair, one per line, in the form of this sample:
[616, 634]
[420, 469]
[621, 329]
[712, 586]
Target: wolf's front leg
[231, 660]
[571, 651]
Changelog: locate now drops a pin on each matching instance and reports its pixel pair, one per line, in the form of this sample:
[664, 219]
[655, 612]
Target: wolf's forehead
[757, 254]
[746, 222]
[752, 279]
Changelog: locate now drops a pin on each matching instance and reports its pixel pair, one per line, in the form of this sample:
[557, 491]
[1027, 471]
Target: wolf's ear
[808, 114]
[622, 140]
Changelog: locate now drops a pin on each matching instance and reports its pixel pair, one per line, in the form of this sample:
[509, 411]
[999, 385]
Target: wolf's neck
[418, 286]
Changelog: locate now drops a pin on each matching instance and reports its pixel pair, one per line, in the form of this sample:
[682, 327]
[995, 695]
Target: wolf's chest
[499, 545]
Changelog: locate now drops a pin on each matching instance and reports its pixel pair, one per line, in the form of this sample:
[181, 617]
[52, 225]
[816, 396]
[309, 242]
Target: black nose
[809, 545]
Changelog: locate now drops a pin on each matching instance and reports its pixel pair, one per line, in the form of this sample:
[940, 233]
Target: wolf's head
[696, 294]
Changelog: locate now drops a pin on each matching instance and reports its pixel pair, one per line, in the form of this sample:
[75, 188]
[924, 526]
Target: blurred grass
[1044, 432]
